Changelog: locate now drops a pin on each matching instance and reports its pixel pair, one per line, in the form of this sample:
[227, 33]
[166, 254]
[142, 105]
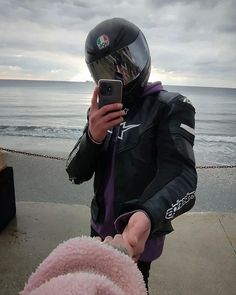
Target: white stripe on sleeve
[188, 128]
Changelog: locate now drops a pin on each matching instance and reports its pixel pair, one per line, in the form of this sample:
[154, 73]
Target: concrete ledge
[2, 160]
[199, 256]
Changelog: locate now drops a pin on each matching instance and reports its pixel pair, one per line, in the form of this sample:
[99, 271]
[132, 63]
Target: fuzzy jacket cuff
[85, 265]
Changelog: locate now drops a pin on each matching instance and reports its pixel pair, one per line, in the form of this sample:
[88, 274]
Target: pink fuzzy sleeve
[88, 255]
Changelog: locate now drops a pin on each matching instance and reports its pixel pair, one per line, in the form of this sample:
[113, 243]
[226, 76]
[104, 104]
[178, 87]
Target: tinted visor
[124, 64]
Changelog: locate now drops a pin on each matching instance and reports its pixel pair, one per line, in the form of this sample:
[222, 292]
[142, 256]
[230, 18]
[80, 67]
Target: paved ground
[199, 256]
[45, 180]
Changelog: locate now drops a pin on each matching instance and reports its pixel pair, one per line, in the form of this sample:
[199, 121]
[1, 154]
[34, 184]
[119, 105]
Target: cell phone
[110, 91]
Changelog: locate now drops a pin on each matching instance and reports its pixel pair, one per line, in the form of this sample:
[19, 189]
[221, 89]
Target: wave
[41, 131]
[215, 138]
[219, 122]
[74, 133]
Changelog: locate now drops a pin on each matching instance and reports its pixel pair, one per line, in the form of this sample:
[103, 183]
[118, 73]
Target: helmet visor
[124, 64]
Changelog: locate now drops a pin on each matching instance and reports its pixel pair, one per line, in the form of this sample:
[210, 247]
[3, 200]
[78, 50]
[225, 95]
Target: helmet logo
[103, 41]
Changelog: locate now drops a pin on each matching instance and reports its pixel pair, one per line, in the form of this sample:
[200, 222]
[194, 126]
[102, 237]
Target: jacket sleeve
[172, 190]
[82, 160]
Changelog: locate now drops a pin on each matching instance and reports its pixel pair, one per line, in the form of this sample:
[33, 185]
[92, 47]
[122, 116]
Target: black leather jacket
[155, 165]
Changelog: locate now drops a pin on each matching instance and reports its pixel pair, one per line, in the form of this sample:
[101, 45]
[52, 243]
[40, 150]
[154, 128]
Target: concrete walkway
[199, 256]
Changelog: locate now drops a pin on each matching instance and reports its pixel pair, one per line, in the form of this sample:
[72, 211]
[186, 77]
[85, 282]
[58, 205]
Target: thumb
[94, 103]
[130, 237]
[133, 240]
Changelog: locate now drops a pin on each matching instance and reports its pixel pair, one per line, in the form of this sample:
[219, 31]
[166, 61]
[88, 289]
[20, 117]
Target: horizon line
[90, 81]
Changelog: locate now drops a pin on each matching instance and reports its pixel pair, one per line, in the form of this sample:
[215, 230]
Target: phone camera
[106, 89]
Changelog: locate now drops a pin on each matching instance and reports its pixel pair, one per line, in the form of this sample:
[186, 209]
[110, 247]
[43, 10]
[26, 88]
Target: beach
[199, 256]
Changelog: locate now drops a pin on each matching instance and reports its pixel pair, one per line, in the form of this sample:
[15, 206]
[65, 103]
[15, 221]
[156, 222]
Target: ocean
[37, 110]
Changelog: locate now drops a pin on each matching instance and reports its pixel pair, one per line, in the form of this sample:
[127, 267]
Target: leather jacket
[155, 164]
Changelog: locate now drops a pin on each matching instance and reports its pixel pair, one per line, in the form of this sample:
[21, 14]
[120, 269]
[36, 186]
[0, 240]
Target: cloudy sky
[192, 42]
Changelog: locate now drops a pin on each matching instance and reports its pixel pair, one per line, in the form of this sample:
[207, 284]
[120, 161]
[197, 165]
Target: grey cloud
[28, 63]
[82, 4]
[184, 35]
[18, 46]
[55, 12]
[228, 28]
[161, 3]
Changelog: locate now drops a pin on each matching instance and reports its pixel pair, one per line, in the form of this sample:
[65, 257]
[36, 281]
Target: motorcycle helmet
[117, 49]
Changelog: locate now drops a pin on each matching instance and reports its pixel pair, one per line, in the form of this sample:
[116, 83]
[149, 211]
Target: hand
[136, 233]
[103, 119]
[120, 244]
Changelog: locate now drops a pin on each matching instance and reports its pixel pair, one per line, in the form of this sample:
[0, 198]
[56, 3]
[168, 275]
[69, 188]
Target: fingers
[110, 108]
[105, 109]
[98, 238]
[108, 239]
[106, 117]
[94, 103]
[118, 238]
[111, 121]
[101, 120]
[119, 243]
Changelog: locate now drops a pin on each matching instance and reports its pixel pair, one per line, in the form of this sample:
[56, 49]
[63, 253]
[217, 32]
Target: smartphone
[110, 91]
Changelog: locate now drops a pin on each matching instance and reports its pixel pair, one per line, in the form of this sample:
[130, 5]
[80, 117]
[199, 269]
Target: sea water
[49, 109]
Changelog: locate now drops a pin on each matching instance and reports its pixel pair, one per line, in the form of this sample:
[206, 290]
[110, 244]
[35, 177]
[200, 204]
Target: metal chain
[215, 166]
[63, 159]
[32, 154]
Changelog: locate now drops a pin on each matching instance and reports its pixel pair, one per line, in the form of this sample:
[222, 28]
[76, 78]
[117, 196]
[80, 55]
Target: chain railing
[64, 159]
[215, 166]
[32, 154]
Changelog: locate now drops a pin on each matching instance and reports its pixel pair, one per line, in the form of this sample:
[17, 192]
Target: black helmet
[117, 49]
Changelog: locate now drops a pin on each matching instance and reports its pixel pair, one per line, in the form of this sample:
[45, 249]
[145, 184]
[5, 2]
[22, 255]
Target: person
[87, 266]
[140, 151]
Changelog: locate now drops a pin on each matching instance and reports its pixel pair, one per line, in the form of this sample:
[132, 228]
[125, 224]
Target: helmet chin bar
[135, 88]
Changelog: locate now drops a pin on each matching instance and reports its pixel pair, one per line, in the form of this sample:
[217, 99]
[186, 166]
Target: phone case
[110, 91]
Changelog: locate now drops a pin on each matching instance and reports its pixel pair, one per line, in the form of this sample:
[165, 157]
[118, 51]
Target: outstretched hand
[103, 119]
[133, 239]
[136, 233]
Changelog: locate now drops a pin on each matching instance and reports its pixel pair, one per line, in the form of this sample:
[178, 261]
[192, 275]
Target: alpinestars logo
[124, 128]
[170, 213]
[186, 100]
